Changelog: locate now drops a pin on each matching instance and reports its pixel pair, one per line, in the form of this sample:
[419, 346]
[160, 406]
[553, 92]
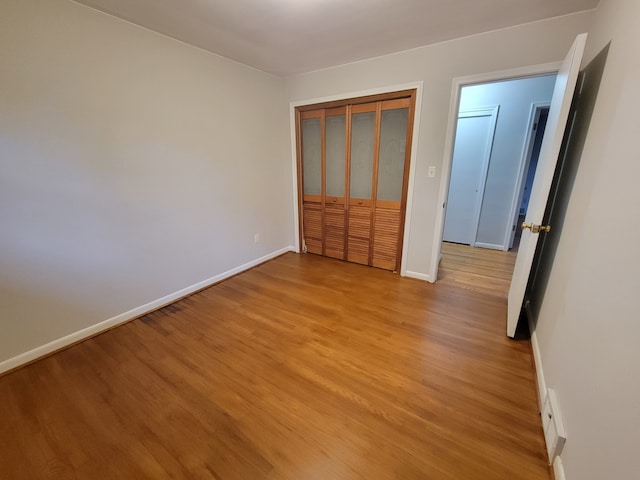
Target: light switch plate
[432, 171]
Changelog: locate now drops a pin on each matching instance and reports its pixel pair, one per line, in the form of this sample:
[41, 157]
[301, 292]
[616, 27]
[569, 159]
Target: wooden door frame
[454, 105]
[338, 99]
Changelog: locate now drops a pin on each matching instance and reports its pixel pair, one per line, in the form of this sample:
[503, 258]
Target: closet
[353, 164]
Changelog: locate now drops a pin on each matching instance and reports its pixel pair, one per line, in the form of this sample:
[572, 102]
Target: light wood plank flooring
[479, 269]
[302, 368]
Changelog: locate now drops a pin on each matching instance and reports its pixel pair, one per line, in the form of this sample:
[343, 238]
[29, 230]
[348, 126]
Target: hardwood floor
[480, 269]
[302, 368]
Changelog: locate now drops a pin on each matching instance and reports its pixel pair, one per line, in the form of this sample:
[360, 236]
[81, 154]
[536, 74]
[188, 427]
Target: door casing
[418, 86]
[454, 105]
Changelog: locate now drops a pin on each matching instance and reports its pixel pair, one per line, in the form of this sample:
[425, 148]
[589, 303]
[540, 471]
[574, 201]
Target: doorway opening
[564, 88]
[499, 131]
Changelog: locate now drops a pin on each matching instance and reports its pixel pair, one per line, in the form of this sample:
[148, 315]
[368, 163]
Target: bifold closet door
[335, 182]
[392, 171]
[312, 179]
[354, 162]
[362, 164]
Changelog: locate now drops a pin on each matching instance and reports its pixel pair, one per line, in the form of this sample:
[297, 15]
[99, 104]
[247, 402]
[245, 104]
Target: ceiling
[287, 37]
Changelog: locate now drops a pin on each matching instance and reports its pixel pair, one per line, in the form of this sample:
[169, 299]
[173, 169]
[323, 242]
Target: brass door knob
[536, 228]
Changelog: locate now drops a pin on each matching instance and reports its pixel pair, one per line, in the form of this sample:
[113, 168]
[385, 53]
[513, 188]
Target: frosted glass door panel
[312, 156]
[336, 144]
[363, 126]
[393, 143]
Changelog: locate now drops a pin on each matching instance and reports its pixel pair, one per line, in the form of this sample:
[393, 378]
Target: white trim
[454, 103]
[294, 171]
[418, 86]
[418, 276]
[79, 335]
[492, 246]
[485, 111]
[509, 74]
[412, 178]
[558, 469]
[537, 358]
[355, 94]
[525, 160]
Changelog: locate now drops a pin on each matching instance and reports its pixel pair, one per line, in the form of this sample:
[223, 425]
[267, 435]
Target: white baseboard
[537, 359]
[417, 275]
[542, 387]
[492, 246]
[558, 469]
[85, 333]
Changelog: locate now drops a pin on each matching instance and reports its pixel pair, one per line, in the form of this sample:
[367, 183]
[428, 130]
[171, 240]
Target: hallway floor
[478, 269]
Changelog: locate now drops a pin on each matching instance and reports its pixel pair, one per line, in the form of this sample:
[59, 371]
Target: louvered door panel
[353, 158]
[359, 240]
[385, 238]
[334, 229]
[312, 226]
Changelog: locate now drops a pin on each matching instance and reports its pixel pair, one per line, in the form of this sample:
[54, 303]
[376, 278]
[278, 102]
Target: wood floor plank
[302, 368]
[480, 269]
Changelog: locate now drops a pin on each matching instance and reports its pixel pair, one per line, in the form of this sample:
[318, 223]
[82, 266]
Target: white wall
[515, 98]
[436, 65]
[131, 166]
[589, 326]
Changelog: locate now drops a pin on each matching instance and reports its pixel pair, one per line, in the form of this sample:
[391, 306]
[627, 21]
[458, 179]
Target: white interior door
[551, 143]
[472, 150]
